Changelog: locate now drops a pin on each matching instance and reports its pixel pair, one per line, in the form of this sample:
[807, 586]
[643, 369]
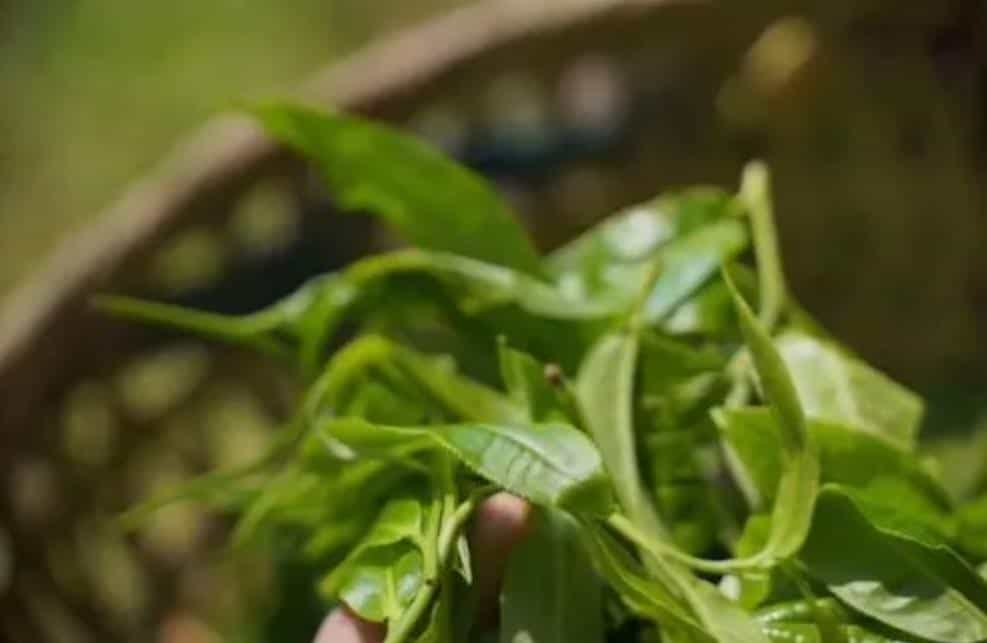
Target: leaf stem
[660, 549]
[451, 524]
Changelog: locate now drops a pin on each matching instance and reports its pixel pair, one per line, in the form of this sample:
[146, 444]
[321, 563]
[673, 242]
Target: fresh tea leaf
[383, 573]
[605, 389]
[549, 464]
[847, 456]
[599, 258]
[799, 480]
[382, 583]
[838, 388]
[430, 200]
[689, 263]
[896, 573]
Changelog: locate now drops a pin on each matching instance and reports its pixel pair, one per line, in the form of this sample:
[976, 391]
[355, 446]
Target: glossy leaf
[835, 387]
[896, 573]
[551, 593]
[430, 200]
[381, 576]
[549, 464]
[612, 254]
[689, 263]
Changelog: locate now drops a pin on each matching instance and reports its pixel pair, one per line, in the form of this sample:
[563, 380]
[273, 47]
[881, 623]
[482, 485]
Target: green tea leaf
[896, 573]
[549, 464]
[799, 480]
[551, 593]
[838, 388]
[430, 200]
[382, 583]
[847, 456]
[689, 263]
[605, 390]
[600, 258]
[381, 575]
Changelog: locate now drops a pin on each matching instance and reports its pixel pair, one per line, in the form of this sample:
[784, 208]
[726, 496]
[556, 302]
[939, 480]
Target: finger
[499, 525]
[342, 626]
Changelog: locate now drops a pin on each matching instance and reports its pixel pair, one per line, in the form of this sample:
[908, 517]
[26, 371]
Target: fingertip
[503, 519]
[343, 626]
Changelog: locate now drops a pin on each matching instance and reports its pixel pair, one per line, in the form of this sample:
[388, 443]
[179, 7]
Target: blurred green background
[96, 92]
[872, 114]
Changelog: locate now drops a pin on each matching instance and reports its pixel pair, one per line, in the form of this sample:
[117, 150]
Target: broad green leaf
[605, 390]
[847, 456]
[838, 388]
[899, 574]
[799, 479]
[381, 584]
[551, 593]
[549, 464]
[710, 312]
[689, 263]
[383, 573]
[430, 200]
[633, 235]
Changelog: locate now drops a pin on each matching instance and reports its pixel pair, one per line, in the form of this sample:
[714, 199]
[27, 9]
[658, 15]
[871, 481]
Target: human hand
[501, 522]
